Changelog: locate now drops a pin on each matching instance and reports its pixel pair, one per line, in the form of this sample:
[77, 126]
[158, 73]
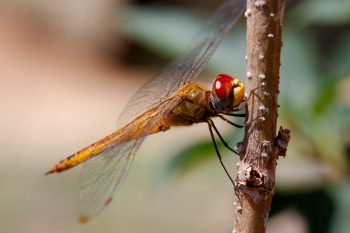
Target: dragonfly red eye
[222, 86]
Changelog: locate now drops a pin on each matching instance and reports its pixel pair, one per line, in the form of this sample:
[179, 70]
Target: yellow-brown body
[187, 106]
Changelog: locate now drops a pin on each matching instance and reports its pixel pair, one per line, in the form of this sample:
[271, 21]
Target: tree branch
[254, 184]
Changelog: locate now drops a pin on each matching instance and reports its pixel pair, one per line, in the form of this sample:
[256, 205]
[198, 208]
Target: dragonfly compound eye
[222, 86]
[222, 91]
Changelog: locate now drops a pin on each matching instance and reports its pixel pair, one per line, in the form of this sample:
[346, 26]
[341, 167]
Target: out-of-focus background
[68, 67]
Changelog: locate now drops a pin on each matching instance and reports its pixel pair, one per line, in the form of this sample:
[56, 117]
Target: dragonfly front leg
[211, 125]
[230, 122]
[221, 138]
[240, 115]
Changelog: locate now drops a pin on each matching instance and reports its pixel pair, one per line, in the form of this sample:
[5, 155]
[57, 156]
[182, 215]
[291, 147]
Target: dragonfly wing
[102, 175]
[188, 66]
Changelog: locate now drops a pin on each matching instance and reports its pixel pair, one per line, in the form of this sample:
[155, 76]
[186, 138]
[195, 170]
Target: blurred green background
[68, 67]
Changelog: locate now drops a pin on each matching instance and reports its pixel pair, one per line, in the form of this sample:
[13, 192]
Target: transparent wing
[101, 176]
[188, 66]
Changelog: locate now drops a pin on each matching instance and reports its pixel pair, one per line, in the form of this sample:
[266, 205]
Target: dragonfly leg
[221, 138]
[234, 114]
[257, 117]
[247, 123]
[217, 150]
[230, 122]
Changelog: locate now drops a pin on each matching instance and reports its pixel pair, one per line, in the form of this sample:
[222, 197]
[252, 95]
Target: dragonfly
[171, 98]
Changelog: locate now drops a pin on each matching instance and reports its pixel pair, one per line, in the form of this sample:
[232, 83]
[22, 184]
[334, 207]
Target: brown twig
[254, 184]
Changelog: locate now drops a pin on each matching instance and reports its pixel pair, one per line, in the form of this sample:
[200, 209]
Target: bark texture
[254, 184]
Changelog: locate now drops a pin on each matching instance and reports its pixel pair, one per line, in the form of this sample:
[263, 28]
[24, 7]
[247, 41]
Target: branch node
[247, 13]
[240, 148]
[282, 141]
[261, 76]
[253, 178]
[249, 75]
[238, 207]
[260, 3]
[267, 146]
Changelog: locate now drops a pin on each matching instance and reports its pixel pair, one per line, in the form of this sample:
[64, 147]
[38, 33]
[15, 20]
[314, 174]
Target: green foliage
[158, 29]
[190, 157]
[306, 202]
[321, 12]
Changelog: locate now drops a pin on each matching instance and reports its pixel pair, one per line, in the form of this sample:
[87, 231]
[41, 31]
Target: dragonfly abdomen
[129, 132]
[193, 108]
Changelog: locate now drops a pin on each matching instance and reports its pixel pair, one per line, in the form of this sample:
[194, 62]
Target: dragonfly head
[227, 92]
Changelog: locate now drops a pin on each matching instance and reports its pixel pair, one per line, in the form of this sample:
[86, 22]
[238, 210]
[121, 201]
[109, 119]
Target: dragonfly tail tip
[48, 173]
[84, 218]
[52, 170]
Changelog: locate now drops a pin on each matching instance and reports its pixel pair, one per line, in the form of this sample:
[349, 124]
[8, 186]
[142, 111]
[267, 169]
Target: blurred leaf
[169, 32]
[341, 56]
[330, 104]
[166, 31]
[317, 206]
[229, 58]
[328, 142]
[298, 73]
[318, 12]
[326, 97]
[190, 157]
[341, 194]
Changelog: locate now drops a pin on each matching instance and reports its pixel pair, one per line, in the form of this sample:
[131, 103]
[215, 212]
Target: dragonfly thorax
[227, 92]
